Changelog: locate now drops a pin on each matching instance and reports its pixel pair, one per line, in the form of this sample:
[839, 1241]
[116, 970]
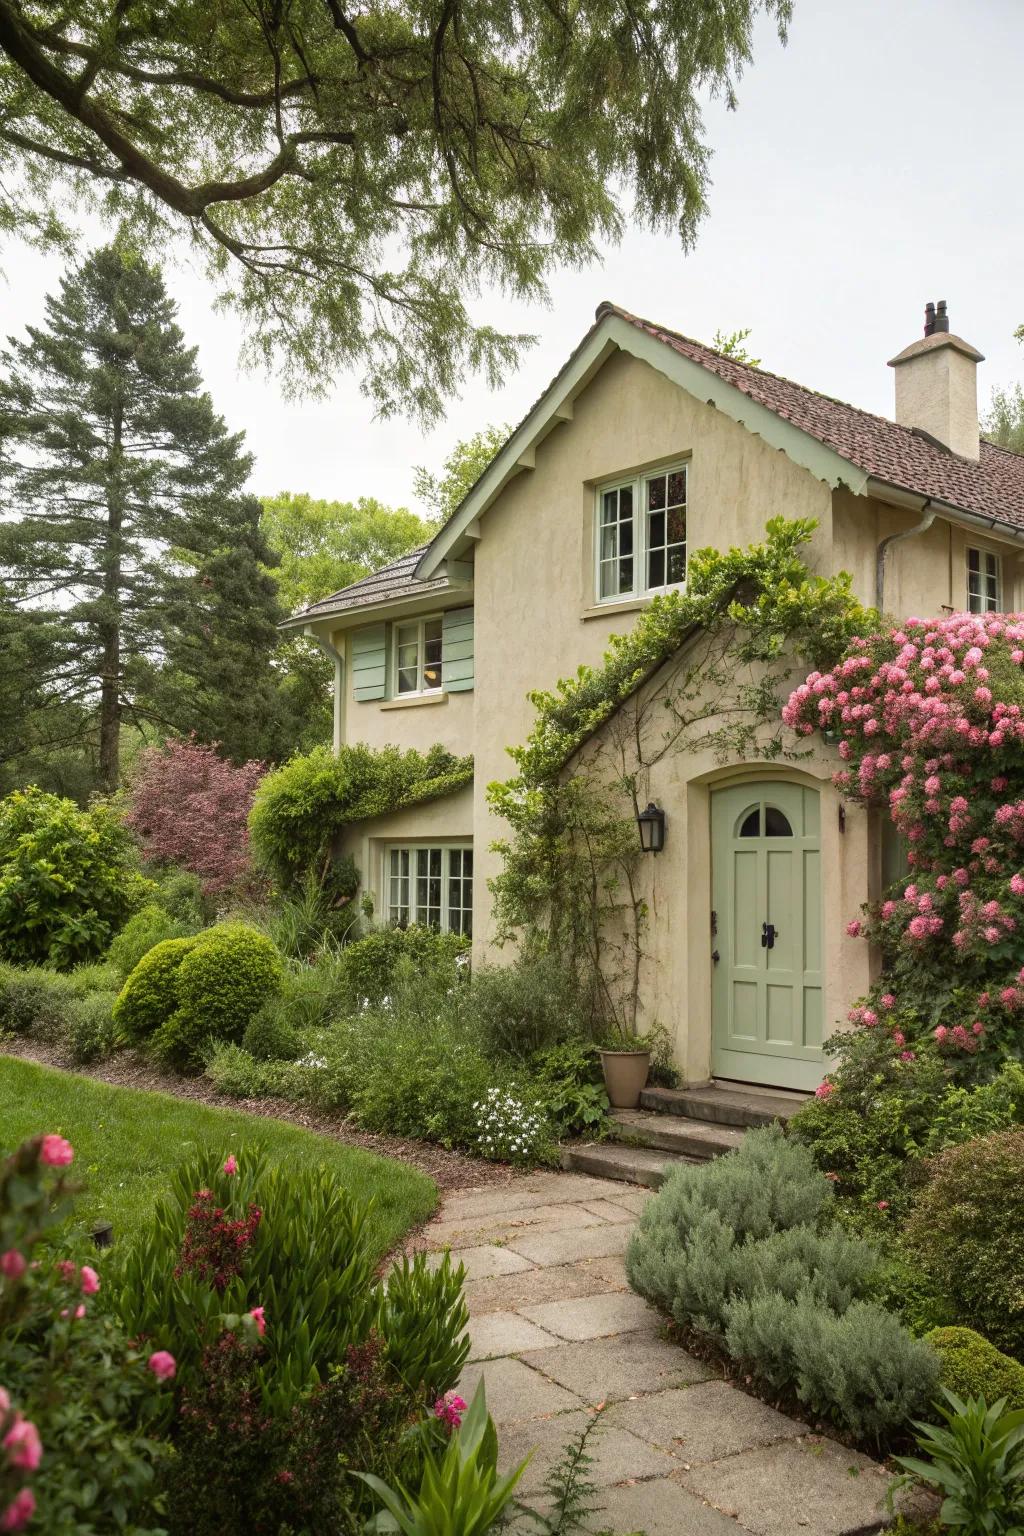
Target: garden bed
[132, 1069]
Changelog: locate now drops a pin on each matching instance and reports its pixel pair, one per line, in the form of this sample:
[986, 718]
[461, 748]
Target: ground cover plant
[745, 1251]
[128, 1144]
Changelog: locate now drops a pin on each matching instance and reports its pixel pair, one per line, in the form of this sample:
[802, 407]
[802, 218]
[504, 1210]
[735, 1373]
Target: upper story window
[417, 662]
[984, 582]
[641, 534]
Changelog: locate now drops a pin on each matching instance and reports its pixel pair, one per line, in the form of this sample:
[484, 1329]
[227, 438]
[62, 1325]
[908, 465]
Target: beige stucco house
[647, 444]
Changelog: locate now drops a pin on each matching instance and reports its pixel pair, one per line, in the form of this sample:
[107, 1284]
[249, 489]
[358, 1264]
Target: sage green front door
[766, 1006]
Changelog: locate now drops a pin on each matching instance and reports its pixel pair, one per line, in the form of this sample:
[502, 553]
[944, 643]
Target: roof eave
[901, 495]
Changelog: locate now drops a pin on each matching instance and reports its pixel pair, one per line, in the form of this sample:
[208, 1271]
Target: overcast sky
[874, 163]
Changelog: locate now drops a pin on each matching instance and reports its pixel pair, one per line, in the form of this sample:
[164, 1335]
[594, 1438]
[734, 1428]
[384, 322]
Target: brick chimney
[937, 387]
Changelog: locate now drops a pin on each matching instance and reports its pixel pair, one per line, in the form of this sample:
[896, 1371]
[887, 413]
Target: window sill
[413, 700]
[609, 610]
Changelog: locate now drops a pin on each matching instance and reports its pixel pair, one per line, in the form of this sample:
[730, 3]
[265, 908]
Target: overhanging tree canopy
[355, 176]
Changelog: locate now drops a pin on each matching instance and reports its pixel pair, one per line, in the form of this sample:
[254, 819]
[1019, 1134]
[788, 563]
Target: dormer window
[984, 582]
[641, 534]
[417, 661]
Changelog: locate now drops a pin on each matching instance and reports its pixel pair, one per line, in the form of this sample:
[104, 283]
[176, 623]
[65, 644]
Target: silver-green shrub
[744, 1249]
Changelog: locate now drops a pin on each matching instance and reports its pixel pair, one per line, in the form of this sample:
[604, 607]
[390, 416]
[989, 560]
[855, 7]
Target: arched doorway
[767, 986]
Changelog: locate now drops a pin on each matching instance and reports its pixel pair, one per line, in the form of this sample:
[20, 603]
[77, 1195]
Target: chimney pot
[936, 384]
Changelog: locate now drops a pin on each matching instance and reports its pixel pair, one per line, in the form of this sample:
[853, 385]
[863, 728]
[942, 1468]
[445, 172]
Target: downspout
[334, 655]
[928, 516]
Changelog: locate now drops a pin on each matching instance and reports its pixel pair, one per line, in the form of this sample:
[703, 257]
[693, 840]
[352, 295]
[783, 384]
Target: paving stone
[605, 1370]
[617, 1454]
[706, 1422]
[537, 1189]
[505, 1293]
[659, 1507]
[811, 1485]
[607, 1210]
[564, 1247]
[593, 1317]
[505, 1333]
[635, 1200]
[612, 1267]
[484, 1261]
[514, 1391]
[470, 1231]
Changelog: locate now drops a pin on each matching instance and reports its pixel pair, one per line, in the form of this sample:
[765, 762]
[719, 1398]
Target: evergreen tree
[125, 536]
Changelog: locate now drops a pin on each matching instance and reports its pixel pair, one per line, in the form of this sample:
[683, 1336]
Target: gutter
[895, 495]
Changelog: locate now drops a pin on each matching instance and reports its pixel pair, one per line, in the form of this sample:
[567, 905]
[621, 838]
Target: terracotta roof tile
[993, 487]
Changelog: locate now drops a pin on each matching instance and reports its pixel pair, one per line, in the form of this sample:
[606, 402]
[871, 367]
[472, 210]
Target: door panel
[767, 1013]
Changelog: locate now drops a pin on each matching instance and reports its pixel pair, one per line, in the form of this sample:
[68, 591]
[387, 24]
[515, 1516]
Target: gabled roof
[394, 582]
[839, 443]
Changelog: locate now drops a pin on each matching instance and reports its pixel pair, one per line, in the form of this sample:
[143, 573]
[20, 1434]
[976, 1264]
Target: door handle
[715, 956]
[768, 935]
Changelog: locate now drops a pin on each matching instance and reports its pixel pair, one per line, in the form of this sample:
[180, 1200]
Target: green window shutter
[370, 663]
[457, 650]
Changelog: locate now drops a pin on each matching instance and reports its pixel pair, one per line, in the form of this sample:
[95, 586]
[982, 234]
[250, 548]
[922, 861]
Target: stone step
[692, 1139]
[612, 1160]
[725, 1103]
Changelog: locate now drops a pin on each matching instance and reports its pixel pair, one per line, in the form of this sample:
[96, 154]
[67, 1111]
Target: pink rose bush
[929, 719]
[75, 1392]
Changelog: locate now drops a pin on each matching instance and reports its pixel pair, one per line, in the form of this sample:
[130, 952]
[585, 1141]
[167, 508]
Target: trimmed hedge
[186, 994]
[370, 965]
[141, 933]
[972, 1367]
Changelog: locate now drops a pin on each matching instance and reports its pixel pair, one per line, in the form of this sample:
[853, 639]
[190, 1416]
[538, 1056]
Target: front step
[695, 1140]
[613, 1160]
[725, 1103]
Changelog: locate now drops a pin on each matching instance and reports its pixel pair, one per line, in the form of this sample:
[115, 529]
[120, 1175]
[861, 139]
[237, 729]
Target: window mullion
[639, 538]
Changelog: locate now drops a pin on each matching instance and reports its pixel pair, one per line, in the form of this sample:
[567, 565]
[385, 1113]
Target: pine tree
[124, 528]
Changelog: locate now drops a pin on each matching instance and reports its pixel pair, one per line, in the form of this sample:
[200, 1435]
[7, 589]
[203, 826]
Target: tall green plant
[461, 1493]
[976, 1460]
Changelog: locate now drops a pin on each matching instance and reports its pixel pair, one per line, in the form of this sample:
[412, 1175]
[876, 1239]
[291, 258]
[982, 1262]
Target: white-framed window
[432, 886]
[417, 655]
[984, 582]
[640, 535]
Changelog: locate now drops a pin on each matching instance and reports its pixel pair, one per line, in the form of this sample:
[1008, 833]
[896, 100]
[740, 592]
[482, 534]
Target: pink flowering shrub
[73, 1392]
[189, 807]
[929, 717]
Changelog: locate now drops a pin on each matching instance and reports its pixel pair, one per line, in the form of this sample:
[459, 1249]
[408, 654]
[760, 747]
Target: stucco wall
[535, 629]
[444, 717]
[448, 820]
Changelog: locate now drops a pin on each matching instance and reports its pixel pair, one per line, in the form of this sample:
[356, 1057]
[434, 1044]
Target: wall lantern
[652, 829]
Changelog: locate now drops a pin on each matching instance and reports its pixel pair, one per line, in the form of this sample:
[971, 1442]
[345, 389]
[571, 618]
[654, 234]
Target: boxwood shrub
[972, 1367]
[186, 994]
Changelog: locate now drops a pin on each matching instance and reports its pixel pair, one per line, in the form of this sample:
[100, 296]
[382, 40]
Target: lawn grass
[127, 1143]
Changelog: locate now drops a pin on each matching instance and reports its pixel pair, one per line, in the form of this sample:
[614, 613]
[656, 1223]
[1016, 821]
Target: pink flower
[257, 1314]
[853, 929]
[163, 1364]
[887, 1001]
[12, 1264]
[55, 1152]
[870, 1017]
[231, 1164]
[19, 1511]
[977, 1028]
[907, 1056]
[78, 1314]
[5, 1402]
[883, 1205]
[23, 1445]
[90, 1280]
[449, 1409]
[941, 1033]
[824, 1089]
[898, 1037]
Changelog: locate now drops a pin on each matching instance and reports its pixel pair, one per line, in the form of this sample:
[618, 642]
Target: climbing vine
[701, 670]
[301, 807]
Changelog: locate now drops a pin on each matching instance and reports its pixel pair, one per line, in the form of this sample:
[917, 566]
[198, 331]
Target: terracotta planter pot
[625, 1074]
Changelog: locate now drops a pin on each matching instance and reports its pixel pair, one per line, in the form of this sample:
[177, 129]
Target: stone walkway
[556, 1330]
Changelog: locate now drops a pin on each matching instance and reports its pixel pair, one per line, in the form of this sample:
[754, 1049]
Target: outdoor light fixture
[652, 829]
